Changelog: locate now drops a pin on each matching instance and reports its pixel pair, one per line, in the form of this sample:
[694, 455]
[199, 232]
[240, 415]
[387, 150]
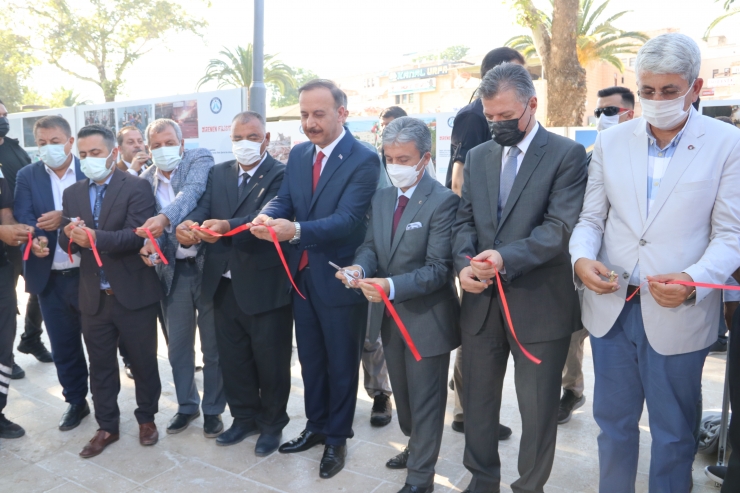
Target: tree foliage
[729, 12]
[106, 35]
[234, 69]
[64, 97]
[16, 61]
[289, 97]
[454, 53]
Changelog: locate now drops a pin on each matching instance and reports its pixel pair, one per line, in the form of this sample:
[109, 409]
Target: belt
[73, 272]
[187, 260]
[108, 291]
[631, 290]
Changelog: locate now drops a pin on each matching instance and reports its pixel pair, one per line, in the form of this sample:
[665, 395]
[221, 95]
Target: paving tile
[87, 472]
[193, 476]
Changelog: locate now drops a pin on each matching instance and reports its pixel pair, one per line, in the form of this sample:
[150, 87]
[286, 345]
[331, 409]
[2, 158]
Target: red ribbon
[156, 246]
[27, 251]
[688, 283]
[282, 258]
[505, 304]
[238, 229]
[397, 319]
[92, 245]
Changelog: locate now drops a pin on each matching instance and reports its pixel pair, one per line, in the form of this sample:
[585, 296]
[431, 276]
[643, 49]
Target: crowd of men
[531, 246]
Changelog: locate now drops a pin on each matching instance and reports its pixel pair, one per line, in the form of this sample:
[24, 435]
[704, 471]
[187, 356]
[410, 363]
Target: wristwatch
[297, 237]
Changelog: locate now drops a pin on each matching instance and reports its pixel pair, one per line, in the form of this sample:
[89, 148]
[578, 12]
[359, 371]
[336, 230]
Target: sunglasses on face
[609, 111]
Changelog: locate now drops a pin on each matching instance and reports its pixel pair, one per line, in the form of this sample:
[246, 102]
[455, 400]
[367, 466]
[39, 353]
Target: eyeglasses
[670, 94]
[609, 111]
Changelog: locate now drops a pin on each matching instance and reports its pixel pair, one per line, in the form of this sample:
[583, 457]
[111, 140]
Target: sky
[336, 38]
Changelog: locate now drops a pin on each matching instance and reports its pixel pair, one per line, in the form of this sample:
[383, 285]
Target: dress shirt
[58, 185]
[327, 150]
[128, 168]
[523, 146]
[93, 196]
[165, 196]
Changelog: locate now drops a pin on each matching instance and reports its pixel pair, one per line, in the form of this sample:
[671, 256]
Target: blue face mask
[96, 168]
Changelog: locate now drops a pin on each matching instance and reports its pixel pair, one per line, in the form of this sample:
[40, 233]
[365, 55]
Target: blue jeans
[628, 373]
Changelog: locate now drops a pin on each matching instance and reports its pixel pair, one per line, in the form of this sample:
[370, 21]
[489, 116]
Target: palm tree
[728, 13]
[64, 97]
[234, 69]
[597, 40]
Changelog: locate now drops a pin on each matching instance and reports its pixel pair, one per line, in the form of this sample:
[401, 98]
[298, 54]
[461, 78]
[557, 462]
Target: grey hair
[159, 125]
[505, 77]
[671, 53]
[248, 116]
[408, 129]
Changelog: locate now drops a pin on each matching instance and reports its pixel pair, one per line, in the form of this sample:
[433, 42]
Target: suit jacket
[188, 182]
[127, 204]
[334, 218]
[693, 226]
[418, 261]
[532, 236]
[10, 169]
[257, 274]
[34, 197]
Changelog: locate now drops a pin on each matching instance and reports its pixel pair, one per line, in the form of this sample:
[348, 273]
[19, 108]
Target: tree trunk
[566, 79]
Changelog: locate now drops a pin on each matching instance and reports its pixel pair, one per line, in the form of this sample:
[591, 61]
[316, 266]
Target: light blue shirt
[93, 188]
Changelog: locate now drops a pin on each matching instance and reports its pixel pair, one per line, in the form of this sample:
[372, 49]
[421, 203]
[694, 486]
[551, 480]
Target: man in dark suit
[50, 273]
[245, 280]
[521, 197]
[408, 252]
[118, 301]
[327, 189]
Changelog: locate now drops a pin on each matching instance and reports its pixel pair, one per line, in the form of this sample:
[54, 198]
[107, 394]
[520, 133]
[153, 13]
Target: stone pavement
[46, 458]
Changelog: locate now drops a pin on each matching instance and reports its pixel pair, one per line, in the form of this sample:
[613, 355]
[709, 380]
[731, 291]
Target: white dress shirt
[327, 150]
[128, 168]
[165, 196]
[523, 146]
[58, 186]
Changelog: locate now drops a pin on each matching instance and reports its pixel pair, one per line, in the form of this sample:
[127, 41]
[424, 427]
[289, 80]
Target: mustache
[314, 130]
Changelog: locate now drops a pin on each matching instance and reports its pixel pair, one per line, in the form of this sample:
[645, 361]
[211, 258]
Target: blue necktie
[507, 179]
[100, 190]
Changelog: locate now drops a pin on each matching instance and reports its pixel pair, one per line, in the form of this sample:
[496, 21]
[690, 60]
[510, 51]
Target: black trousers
[254, 354]
[732, 480]
[32, 323]
[538, 395]
[8, 306]
[135, 330]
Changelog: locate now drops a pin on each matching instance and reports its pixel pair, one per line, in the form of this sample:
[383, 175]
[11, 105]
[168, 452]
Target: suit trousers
[420, 392]
[629, 373]
[732, 479]
[538, 395]
[182, 308]
[136, 330]
[374, 368]
[573, 370]
[60, 307]
[254, 352]
[458, 413]
[330, 340]
[8, 307]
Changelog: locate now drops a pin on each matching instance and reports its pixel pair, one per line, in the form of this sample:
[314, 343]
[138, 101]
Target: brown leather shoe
[98, 443]
[148, 434]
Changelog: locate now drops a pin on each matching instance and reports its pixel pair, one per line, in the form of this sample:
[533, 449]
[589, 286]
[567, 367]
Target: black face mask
[4, 126]
[506, 133]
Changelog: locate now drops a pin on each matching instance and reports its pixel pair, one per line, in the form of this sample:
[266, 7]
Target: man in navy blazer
[50, 273]
[322, 209]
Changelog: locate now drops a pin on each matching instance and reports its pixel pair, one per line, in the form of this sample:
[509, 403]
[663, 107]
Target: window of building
[632, 62]
[715, 72]
[411, 98]
[398, 99]
[405, 98]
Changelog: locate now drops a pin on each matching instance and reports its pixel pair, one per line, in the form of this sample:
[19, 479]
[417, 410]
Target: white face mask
[96, 168]
[607, 122]
[53, 155]
[166, 158]
[246, 151]
[401, 175]
[665, 114]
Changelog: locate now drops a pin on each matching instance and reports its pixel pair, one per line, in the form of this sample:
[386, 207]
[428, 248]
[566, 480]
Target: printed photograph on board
[185, 113]
[136, 116]
[105, 117]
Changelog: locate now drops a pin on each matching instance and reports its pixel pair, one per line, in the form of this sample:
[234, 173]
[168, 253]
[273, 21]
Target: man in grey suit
[522, 193]
[178, 180]
[407, 251]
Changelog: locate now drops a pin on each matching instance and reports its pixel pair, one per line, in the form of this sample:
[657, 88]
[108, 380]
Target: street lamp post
[258, 91]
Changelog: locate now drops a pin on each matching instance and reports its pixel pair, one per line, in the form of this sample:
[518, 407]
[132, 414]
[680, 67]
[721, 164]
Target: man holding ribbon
[321, 209]
[118, 294]
[408, 253]
[661, 213]
[521, 196]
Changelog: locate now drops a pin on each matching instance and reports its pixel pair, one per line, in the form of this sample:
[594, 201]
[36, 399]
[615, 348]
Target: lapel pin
[691, 148]
[420, 201]
[260, 177]
[341, 157]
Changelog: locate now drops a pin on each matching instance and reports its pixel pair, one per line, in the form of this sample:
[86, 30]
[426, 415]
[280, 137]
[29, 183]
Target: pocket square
[413, 226]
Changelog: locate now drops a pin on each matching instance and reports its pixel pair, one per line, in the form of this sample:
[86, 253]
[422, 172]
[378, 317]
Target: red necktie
[316, 175]
[402, 202]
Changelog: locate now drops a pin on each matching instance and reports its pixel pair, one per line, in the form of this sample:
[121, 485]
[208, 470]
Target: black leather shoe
[212, 425]
[8, 429]
[37, 349]
[458, 426]
[17, 373]
[304, 441]
[267, 444]
[127, 370]
[407, 488]
[180, 422]
[504, 432]
[72, 417]
[399, 461]
[333, 460]
[382, 411]
[569, 403]
[237, 433]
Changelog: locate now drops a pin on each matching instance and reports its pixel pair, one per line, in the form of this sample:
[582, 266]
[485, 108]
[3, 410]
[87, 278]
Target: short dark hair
[96, 129]
[340, 98]
[628, 97]
[497, 57]
[119, 135]
[53, 121]
[393, 112]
